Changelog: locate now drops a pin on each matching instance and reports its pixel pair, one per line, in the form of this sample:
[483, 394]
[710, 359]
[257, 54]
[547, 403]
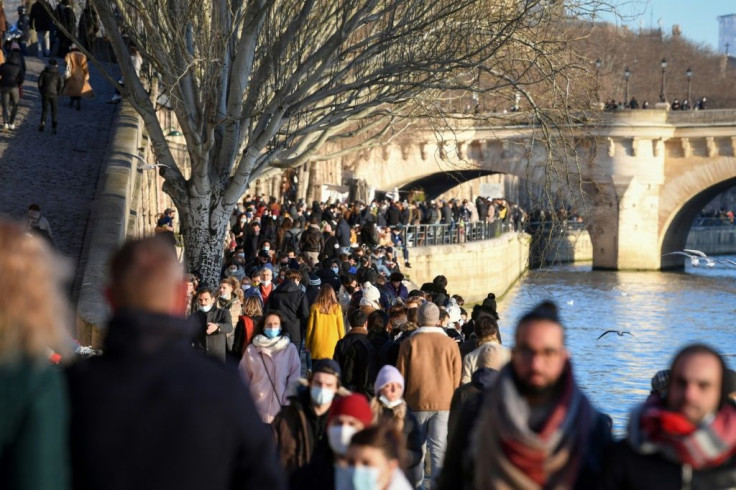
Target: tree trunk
[203, 231]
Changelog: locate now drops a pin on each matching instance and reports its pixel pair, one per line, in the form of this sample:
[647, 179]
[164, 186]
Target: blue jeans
[434, 435]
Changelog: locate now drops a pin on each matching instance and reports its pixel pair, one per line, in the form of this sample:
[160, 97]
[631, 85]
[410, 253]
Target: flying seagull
[619, 332]
[708, 261]
[694, 259]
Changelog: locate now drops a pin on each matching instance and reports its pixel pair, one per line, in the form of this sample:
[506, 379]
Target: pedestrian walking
[151, 413]
[374, 460]
[389, 408]
[289, 300]
[77, 77]
[301, 425]
[67, 19]
[42, 22]
[11, 78]
[271, 366]
[34, 446]
[213, 324]
[535, 427]
[356, 356]
[325, 325]
[430, 362]
[246, 325]
[684, 440]
[3, 21]
[50, 86]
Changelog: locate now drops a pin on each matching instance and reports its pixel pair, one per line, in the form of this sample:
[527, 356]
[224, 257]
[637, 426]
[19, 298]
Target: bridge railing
[559, 227]
[713, 222]
[447, 234]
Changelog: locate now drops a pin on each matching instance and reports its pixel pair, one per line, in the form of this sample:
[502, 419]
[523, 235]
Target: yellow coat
[323, 332]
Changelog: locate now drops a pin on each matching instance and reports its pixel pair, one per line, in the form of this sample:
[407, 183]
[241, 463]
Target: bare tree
[261, 83]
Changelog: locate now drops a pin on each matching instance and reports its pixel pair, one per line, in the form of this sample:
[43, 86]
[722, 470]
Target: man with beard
[534, 428]
[686, 439]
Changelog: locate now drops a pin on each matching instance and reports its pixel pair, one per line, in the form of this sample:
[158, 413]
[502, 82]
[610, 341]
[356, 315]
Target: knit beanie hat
[428, 315]
[354, 405]
[314, 280]
[371, 292]
[388, 374]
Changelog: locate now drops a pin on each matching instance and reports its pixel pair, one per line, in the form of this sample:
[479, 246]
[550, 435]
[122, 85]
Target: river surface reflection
[663, 310]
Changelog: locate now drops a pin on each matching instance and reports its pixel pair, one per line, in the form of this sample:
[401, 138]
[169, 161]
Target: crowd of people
[324, 374]
[52, 83]
[612, 105]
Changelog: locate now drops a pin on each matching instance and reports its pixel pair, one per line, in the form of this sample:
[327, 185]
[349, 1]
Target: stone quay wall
[473, 269]
[713, 240]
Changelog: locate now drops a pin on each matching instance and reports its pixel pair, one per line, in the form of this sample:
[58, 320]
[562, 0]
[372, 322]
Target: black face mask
[350, 289]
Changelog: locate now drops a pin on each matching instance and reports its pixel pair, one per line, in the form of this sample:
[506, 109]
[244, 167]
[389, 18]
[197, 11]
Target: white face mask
[339, 438]
[206, 308]
[266, 283]
[390, 404]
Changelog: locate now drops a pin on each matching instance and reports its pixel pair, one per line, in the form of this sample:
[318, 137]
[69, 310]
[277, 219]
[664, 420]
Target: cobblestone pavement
[60, 171]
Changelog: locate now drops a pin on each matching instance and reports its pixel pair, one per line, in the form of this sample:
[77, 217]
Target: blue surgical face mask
[335, 269]
[321, 396]
[356, 478]
[271, 333]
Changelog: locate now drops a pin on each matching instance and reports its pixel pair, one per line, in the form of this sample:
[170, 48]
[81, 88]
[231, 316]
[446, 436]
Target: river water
[664, 310]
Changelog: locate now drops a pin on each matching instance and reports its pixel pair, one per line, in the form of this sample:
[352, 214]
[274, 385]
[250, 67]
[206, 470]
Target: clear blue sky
[697, 18]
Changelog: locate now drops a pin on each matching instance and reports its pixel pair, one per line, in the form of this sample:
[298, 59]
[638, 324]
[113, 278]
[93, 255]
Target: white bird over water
[694, 259]
[619, 332]
[708, 261]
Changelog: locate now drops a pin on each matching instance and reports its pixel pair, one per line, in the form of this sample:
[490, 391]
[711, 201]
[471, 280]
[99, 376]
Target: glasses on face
[547, 354]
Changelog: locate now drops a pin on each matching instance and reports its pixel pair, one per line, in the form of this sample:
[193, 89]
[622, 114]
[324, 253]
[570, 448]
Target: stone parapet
[109, 223]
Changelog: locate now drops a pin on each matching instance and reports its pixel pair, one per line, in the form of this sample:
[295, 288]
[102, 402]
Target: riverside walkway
[60, 172]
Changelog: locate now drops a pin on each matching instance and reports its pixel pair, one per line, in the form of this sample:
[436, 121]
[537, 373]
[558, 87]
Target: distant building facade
[727, 34]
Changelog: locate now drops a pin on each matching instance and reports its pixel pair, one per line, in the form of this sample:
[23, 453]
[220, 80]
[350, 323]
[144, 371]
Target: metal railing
[554, 227]
[447, 234]
[713, 223]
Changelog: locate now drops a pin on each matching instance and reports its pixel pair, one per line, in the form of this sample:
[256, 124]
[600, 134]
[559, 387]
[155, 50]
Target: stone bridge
[646, 173]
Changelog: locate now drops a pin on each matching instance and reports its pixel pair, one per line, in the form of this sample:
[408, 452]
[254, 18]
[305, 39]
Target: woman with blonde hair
[230, 297]
[246, 326]
[325, 325]
[33, 401]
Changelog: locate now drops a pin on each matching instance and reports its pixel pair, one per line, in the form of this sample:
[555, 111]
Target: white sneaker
[12, 127]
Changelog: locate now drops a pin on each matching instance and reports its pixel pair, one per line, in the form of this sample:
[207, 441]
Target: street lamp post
[662, 97]
[627, 75]
[689, 74]
[598, 79]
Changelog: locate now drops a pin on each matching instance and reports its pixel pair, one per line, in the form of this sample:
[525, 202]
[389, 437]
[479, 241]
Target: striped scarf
[510, 455]
[654, 429]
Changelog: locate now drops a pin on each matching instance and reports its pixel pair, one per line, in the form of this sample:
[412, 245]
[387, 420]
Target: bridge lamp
[627, 75]
[598, 64]
[662, 97]
[689, 74]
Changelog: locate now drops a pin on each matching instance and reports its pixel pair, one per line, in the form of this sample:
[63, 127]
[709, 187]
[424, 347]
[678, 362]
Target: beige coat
[78, 84]
[496, 356]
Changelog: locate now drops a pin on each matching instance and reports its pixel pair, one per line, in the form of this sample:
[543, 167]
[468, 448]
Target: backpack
[292, 241]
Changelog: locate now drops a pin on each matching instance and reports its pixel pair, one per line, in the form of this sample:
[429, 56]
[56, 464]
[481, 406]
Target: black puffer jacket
[11, 75]
[289, 300]
[49, 81]
[151, 413]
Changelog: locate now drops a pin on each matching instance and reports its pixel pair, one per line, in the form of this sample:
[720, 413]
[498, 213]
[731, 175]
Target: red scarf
[679, 440]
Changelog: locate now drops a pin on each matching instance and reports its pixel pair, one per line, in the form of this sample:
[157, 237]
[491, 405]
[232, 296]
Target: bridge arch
[682, 199]
[436, 184]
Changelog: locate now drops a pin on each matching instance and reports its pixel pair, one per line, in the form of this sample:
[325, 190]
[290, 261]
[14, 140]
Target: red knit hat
[355, 405]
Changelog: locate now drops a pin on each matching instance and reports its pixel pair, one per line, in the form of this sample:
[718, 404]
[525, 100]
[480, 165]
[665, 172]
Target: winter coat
[402, 292]
[34, 450]
[243, 335]
[627, 469]
[357, 360]
[500, 356]
[289, 300]
[17, 58]
[297, 430]
[328, 277]
[312, 239]
[343, 233]
[271, 367]
[49, 81]
[11, 75]
[78, 84]
[40, 17]
[324, 330]
[429, 358]
[151, 413]
[468, 393]
[214, 344]
[411, 430]
[393, 215]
